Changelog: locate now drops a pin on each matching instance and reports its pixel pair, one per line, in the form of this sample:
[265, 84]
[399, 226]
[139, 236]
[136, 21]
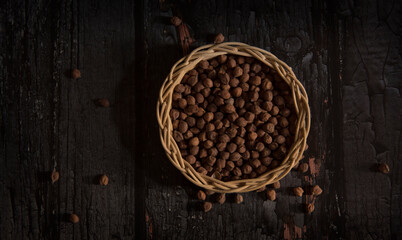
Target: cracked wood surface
[346, 53]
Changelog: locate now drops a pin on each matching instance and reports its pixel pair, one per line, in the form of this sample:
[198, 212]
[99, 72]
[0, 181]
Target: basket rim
[210, 51]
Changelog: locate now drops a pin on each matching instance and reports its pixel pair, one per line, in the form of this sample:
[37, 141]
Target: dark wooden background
[348, 54]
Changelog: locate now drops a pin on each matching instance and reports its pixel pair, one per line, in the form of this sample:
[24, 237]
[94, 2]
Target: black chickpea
[232, 118]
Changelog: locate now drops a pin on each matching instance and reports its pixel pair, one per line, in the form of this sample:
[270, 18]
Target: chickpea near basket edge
[233, 117]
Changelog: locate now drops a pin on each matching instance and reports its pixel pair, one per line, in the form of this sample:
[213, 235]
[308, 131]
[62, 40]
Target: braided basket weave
[164, 105]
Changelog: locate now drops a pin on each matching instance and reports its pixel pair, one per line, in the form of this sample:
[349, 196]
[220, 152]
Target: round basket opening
[233, 118]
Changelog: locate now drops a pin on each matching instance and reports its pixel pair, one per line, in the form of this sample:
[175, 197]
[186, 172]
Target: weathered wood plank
[371, 119]
[295, 34]
[99, 140]
[29, 113]
[50, 120]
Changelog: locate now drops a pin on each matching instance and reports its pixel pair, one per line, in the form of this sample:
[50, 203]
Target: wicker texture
[164, 104]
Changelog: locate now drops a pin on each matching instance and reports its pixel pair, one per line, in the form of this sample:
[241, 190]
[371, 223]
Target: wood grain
[371, 104]
[346, 53]
[50, 120]
[260, 24]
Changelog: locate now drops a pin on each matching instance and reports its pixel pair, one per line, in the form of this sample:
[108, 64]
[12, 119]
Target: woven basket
[166, 129]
